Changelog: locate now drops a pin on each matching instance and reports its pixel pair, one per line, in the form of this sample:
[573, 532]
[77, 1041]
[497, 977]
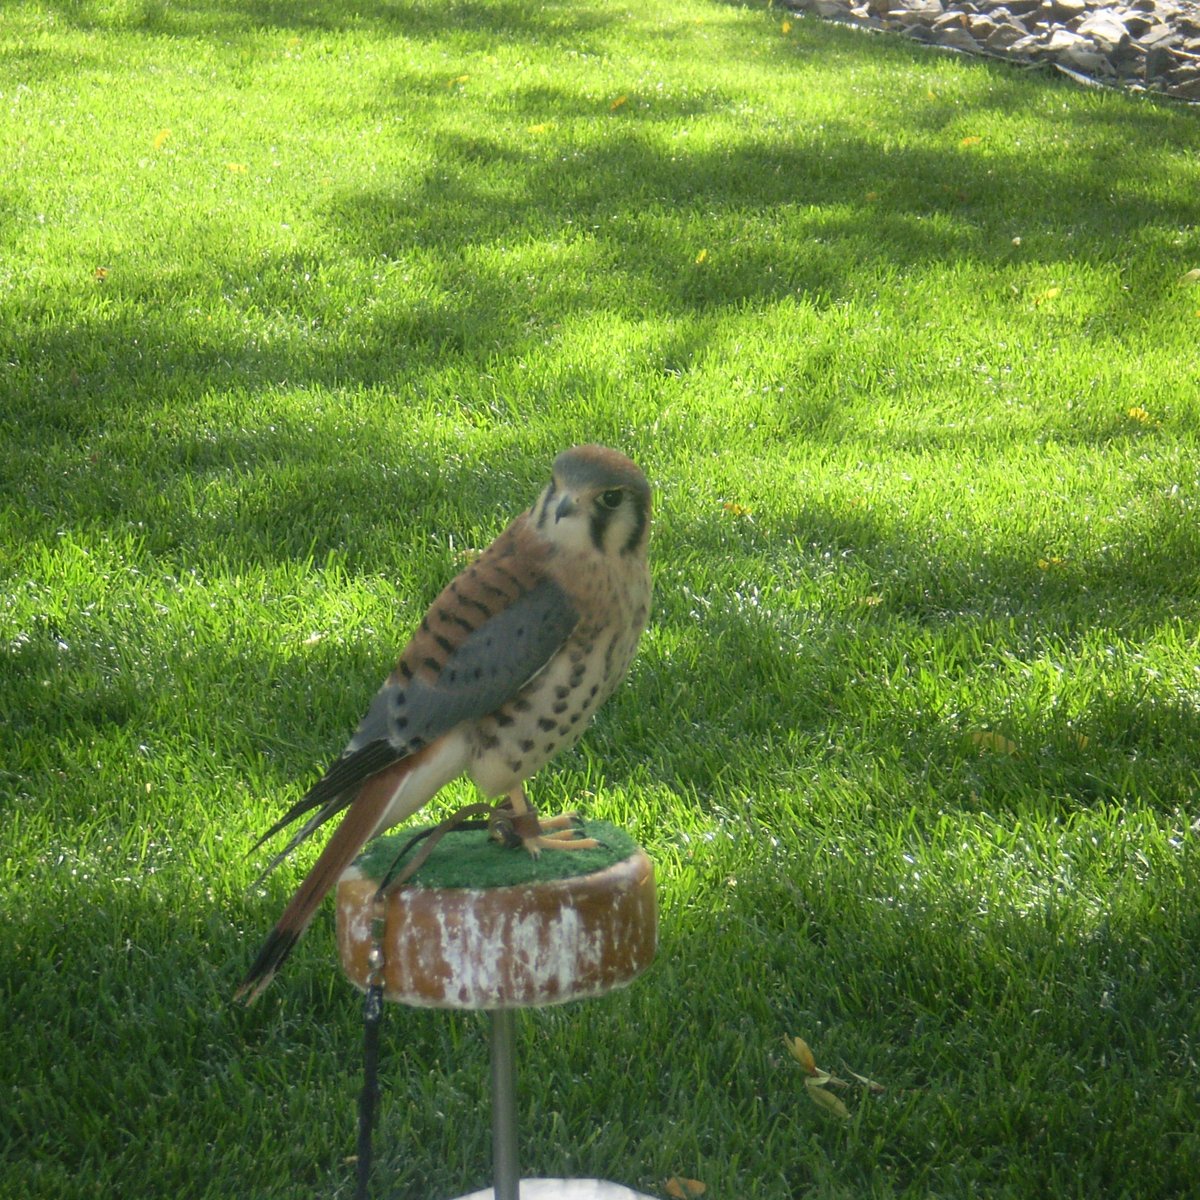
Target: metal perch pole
[506, 1174]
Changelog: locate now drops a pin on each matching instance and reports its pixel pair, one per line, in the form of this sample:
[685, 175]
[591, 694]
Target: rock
[1027, 46]
[957, 38]
[1105, 29]
[1063, 39]
[919, 33]
[982, 27]
[1156, 62]
[1186, 90]
[1149, 45]
[1158, 35]
[1004, 37]
[1088, 60]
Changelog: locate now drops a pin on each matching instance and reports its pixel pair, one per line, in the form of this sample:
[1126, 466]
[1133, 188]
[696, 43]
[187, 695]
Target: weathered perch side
[519, 945]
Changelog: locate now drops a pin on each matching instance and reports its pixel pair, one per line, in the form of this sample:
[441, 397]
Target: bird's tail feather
[338, 784]
[360, 823]
[331, 809]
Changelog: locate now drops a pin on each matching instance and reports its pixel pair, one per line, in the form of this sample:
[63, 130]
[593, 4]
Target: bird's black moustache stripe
[547, 500]
[598, 526]
[641, 515]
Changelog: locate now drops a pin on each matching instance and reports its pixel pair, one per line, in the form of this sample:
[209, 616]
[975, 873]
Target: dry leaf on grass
[819, 1081]
[995, 743]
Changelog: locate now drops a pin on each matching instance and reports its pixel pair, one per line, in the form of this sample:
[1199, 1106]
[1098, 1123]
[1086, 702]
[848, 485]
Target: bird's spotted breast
[550, 714]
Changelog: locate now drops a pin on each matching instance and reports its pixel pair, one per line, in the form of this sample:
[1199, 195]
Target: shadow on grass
[216, 19]
[906, 204]
[901, 975]
[910, 653]
[631, 212]
[628, 216]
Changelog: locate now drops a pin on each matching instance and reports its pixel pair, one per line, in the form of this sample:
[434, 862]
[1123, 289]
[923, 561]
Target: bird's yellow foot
[526, 829]
[564, 832]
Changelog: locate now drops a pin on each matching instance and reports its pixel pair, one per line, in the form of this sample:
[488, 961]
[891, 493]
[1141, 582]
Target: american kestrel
[506, 669]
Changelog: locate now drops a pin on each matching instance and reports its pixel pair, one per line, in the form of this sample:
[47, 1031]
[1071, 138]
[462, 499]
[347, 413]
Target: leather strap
[511, 827]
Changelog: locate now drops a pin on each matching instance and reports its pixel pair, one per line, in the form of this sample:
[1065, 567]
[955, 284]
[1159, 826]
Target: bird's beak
[566, 506]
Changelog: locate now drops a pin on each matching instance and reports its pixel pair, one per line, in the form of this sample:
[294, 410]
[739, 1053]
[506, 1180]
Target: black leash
[368, 1099]
[467, 817]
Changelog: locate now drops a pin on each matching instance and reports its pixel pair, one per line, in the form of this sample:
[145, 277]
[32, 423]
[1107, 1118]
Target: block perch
[481, 928]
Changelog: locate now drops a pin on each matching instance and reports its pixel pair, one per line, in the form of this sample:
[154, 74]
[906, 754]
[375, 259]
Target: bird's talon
[565, 839]
[567, 821]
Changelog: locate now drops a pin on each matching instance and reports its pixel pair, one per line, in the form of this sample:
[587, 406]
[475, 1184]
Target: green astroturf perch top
[470, 858]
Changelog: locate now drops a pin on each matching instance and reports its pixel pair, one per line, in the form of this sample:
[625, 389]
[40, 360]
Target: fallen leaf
[826, 1100]
[799, 1049]
[869, 1084]
[457, 80]
[785, 27]
[617, 103]
[161, 138]
[971, 140]
[541, 127]
[1050, 293]
[997, 743]
[736, 510]
[701, 256]
[236, 168]
[679, 1188]
[100, 273]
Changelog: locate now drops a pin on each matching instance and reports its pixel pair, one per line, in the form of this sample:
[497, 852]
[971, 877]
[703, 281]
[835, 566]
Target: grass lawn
[298, 300]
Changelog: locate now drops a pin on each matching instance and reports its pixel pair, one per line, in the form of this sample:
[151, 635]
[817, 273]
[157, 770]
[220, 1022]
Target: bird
[506, 669]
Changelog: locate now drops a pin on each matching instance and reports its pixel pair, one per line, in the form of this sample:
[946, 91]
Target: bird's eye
[610, 499]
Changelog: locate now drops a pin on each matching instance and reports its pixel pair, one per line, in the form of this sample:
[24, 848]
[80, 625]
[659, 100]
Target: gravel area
[1144, 45]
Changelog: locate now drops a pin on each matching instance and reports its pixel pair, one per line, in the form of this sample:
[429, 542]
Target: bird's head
[596, 501]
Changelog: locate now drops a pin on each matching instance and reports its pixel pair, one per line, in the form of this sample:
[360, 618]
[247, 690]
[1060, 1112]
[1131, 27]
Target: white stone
[958, 39]
[1064, 39]
[1090, 61]
[1106, 29]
